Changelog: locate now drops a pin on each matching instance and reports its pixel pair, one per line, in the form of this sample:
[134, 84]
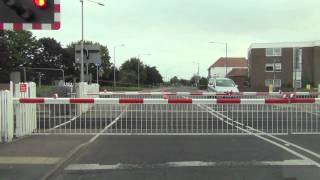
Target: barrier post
[26, 116]
[6, 116]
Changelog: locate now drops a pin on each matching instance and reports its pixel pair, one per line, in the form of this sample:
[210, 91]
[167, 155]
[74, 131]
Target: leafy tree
[184, 82]
[195, 80]
[203, 83]
[129, 71]
[174, 80]
[153, 76]
[21, 48]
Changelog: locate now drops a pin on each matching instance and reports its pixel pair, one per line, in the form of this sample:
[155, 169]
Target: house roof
[284, 45]
[236, 72]
[231, 62]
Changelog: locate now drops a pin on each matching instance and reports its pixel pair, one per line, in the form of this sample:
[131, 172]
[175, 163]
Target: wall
[316, 66]
[307, 66]
[257, 62]
[221, 71]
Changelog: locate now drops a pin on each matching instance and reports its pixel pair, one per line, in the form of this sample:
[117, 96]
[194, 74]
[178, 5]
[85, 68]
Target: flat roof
[284, 45]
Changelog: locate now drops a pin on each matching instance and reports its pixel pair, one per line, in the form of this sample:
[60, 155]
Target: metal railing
[174, 116]
[205, 95]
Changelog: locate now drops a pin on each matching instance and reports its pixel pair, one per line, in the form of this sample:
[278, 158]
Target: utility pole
[114, 64]
[82, 37]
[82, 45]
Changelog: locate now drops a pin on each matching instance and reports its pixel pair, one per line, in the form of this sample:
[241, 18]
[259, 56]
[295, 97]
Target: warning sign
[23, 88]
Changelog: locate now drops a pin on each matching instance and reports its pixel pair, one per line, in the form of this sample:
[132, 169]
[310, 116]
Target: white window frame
[279, 69]
[273, 52]
[269, 65]
[276, 82]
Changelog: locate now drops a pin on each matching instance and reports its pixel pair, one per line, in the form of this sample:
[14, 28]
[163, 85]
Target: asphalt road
[249, 157]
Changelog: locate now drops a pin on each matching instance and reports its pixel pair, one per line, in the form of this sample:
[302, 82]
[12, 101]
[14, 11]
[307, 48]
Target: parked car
[222, 85]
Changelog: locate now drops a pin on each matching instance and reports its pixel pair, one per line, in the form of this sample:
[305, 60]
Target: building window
[297, 84]
[269, 67]
[277, 67]
[271, 52]
[274, 82]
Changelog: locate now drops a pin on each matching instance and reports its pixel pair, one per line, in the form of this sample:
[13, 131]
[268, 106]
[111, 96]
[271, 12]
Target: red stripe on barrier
[302, 100]
[57, 8]
[37, 26]
[180, 101]
[56, 26]
[82, 101]
[31, 100]
[277, 101]
[17, 26]
[131, 101]
[228, 101]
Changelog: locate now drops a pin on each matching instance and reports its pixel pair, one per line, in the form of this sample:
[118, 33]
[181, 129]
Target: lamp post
[82, 37]
[139, 56]
[226, 61]
[198, 73]
[114, 63]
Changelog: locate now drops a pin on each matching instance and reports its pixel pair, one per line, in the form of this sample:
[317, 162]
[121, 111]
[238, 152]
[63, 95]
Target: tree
[174, 81]
[129, 71]
[153, 76]
[203, 83]
[21, 49]
[195, 80]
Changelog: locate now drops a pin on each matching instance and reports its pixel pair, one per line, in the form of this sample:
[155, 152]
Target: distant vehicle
[222, 85]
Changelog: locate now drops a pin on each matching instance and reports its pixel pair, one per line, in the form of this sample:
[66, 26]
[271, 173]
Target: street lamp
[114, 63]
[198, 73]
[82, 37]
[226, 61]
[139, 56]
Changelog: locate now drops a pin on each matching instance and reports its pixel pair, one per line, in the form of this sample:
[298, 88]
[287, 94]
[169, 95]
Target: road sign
[23, 88]
[91, 54]
[29, 14]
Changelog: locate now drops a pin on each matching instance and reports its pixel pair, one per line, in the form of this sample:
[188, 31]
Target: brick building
[285, 65]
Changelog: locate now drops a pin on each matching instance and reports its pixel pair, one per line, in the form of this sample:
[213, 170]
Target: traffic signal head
[40, 3]
[30, 14]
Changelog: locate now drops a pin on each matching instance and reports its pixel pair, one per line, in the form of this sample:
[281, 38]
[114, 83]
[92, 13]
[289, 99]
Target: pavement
[152, 157]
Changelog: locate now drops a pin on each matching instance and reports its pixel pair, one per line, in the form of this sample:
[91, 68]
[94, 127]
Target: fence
[6, 116]
[176, 116]
[25, 115]
[204, 95]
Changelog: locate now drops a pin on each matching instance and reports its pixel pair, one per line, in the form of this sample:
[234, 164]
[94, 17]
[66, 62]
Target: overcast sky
[177, 32]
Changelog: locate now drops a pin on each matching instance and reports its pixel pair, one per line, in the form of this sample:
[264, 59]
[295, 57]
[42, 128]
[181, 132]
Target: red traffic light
[40, 3]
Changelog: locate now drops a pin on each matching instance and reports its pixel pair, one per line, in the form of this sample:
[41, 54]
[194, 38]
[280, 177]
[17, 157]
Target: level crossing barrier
[166, 116]
[204, 95]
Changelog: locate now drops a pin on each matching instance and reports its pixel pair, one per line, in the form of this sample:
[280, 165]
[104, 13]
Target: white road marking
[81, 146]
[29, 160]
[120, 166]
[213, 112]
